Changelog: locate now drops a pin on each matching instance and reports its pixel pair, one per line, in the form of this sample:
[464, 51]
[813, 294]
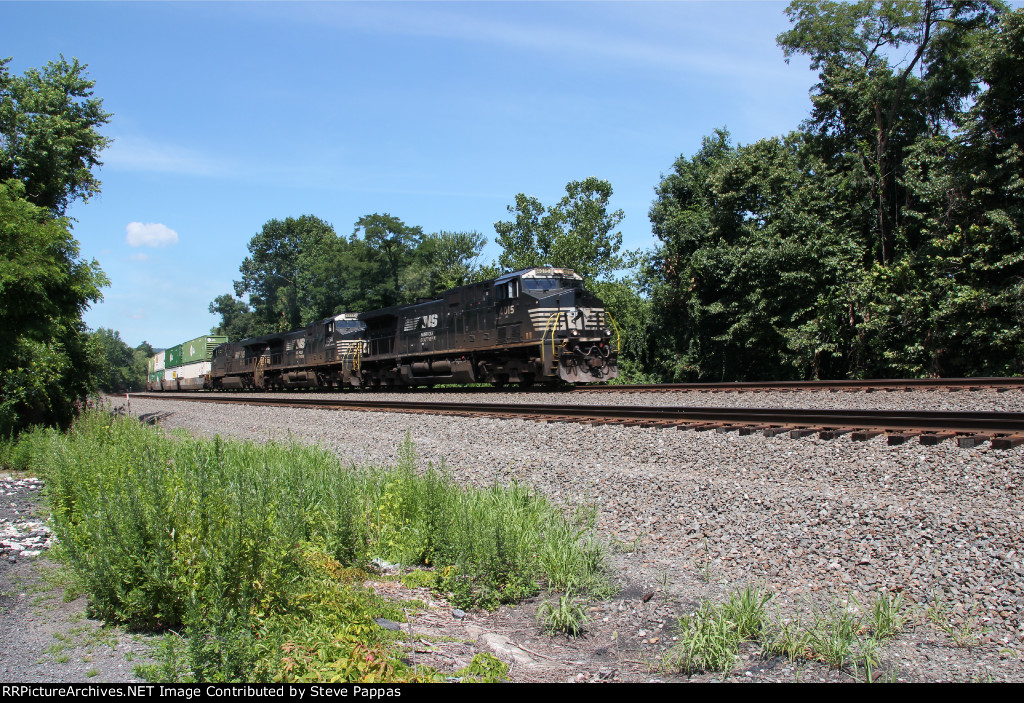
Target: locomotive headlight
[574, 333]
[607, 333]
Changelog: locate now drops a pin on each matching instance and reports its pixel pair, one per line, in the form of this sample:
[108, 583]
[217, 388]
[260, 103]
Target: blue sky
[228, 115]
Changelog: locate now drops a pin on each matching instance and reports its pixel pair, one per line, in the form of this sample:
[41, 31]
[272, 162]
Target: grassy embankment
[256, 553]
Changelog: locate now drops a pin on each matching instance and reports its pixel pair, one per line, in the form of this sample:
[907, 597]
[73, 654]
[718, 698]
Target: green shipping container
[201, 348]
[173, 357]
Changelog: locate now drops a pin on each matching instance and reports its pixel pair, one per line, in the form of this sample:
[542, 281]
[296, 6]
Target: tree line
[881, 237]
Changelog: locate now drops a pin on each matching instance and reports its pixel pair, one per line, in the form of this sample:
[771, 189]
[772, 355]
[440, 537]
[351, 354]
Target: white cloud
[151, 234]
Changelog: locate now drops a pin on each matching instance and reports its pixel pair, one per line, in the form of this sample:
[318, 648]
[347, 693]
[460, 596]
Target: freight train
[535, 325]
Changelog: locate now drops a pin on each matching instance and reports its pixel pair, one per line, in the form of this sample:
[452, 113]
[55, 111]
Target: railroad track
[1005, 430]
[999, 384]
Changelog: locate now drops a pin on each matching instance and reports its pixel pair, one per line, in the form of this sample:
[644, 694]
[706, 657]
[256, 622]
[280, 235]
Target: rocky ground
[823, 526]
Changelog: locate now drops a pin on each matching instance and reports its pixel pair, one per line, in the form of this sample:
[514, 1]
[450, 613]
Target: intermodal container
[173, 357]
[201, 348]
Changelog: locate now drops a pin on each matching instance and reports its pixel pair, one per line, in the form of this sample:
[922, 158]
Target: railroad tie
[1008, 442]
[900, 437]
[971, 441]
[933, 438]
[805, 432]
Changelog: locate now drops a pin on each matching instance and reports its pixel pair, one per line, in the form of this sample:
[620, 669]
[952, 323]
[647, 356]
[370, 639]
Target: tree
[748, 247]
[891, 71]
[273, 275]
[576, 233]
[118, 367]
[884, 237]
[447, 260]
[391, 246]
[45, 363]
[237, 319]
[49, 133]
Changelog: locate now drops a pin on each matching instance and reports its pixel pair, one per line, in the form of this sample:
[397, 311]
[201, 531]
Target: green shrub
[567, 615]
[217, 536]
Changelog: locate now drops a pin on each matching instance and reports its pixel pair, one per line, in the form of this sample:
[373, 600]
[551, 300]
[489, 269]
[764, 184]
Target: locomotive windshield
[544, 284]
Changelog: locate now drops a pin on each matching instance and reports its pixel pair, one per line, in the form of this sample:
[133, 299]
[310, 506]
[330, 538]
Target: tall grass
[211, 533]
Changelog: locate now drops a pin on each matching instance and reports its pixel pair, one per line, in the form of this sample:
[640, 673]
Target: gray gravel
[982, 400]
[695, 515]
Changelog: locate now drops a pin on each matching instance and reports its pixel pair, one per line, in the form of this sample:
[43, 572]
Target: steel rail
[825, 419]
[998, 383]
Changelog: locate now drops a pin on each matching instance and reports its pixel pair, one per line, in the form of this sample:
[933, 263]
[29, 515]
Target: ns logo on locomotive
[535, 325]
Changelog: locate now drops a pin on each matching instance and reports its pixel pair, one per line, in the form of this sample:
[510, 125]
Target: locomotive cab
[569, 320]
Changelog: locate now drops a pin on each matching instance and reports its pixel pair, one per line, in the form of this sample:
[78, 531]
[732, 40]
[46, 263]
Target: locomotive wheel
[528, 380]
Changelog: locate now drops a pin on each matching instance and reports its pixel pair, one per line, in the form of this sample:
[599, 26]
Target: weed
[62, 659]
[746, 610]
[92, 672]
[966, 634]
[567, 615]
[708, 641]
[623, 547]
[420, 578]
[788, 638]
[705, 568]
[218, 538]
[484, 668]
[887, 616]
[833, 634]
[866, 659]
[171, 662]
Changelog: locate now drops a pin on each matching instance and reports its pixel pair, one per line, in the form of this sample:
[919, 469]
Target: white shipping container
[190, 376]
[199, 368]
[158, 362]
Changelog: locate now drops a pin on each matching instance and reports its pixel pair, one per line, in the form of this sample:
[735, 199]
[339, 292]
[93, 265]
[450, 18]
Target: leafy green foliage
[299, 271]
[251, 548]
[484, 667]
[576, 233]
[567, 616]
[273, 273]
[883, 239]
[119, 367]
[49, 133]
[448, 260]
[46, 365]
[237, 320]
[709, 639]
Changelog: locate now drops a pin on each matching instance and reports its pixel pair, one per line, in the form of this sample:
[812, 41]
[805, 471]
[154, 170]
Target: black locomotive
[538, 324]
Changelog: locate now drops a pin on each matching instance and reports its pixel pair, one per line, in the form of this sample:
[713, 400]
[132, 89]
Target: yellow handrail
[618, 336]
[552, 324]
